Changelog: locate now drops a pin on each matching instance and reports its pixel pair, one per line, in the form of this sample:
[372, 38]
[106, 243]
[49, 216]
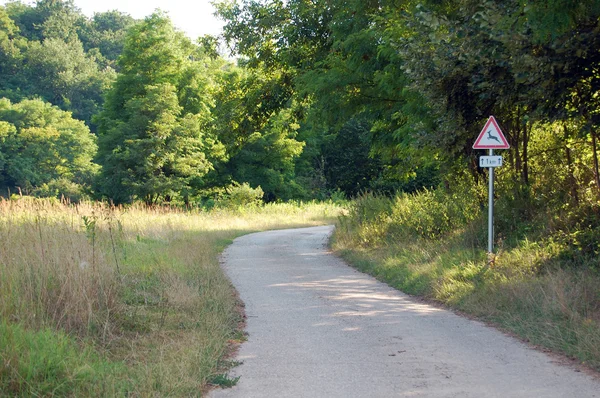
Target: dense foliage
[154, 138]
[424, 76]
[44, 150]
[396, 89]
[51, 51]
[401, 89]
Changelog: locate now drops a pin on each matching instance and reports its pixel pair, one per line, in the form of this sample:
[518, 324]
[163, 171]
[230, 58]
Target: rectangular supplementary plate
[490, 161]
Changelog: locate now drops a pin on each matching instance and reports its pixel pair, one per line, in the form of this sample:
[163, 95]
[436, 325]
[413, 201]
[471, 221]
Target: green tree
[350, 146]
[59, 19]
[340, 68]
[41, 55]
[522, 62]
[63, 74]
[41, 145]
[154, 142]
[259, 132]
[11, 56]
[106, 32]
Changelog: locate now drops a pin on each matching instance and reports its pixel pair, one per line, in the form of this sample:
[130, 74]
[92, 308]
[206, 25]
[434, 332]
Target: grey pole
[491, 209]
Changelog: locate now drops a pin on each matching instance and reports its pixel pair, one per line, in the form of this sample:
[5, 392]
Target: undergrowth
[50, 363]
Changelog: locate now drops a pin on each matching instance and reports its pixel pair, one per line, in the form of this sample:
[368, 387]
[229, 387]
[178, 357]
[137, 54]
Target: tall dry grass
[54, 272]
[142, 285]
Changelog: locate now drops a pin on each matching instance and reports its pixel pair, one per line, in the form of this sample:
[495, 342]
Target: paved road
[318, 328]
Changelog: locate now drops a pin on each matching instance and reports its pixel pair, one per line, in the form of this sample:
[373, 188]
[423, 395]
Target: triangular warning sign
[491, 137]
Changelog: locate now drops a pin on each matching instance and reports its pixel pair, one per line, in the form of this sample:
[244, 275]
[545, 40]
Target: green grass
[137, 292]
[50, 363]
[223, 380]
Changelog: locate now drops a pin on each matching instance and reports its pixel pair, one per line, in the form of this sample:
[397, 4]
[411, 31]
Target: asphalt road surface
[318, 328]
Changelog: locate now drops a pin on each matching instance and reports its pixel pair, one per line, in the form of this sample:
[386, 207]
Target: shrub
[432, 214]
[62, 188]
[240, 195]
[428, 214]
[367, 219]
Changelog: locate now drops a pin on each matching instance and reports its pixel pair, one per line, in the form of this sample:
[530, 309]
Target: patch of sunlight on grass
[457, 282]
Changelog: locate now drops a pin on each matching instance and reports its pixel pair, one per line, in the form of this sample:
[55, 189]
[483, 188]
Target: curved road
[318, 328]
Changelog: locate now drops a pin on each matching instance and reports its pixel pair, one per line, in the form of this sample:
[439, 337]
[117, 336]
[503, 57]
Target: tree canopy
[397, 89]
[154, 140]
[44, 149]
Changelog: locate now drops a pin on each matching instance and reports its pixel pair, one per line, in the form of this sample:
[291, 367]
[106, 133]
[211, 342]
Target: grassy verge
[49, 363]
[531, 289]
[132, 297]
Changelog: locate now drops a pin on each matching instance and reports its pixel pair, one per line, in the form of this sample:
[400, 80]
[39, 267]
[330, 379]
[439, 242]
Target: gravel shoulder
[318, 328]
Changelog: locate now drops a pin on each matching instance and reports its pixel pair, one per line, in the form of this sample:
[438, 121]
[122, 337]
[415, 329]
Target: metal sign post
[491, 137]
[491, 208]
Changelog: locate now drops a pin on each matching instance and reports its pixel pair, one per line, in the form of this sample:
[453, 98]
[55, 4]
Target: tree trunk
[570, 173]
[595, 152]
[572, 180]
[511, 141]
[515, 144]
[525, 164]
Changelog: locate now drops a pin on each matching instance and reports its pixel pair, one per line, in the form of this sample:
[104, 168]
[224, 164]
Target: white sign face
[491, 137]
[490, 161]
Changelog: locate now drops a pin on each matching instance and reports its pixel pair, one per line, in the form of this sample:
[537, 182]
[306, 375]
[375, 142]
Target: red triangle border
[504, 145]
